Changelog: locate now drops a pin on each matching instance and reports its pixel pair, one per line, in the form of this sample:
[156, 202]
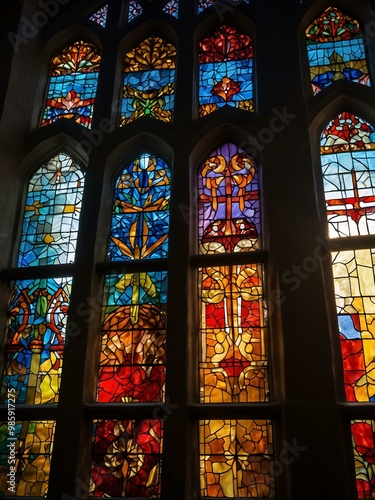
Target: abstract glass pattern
[225, 71]
[51, 214]
[354, 282]
[233, 362]
[171, 8]
[32, 445]
[363, 438]
[204, 4]
[140, 216]
[126, 458]
[229, 205]
[149, 81]
[38, 313]
[132, 362]
[335, 50]
[235, 458]
[72, 86]
[348, 163]
[100, 16]
[134, 10]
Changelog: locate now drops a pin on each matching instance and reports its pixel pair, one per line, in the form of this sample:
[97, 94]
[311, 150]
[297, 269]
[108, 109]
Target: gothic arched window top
[140, 217]
[348, 163]
[220, 6]
[72, 85]
[335, 50]
[225, 71]
[149, 81]
[51, 213]
[229, 211]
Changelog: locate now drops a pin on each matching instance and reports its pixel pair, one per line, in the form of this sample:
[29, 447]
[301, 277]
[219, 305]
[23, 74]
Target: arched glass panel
[348, 163]
[51, 214]
[72, 85]
[100, 16]
[140, 214]
[225, 71]
[335, 50]
[229, 206]
[149, 81]
[233, 362]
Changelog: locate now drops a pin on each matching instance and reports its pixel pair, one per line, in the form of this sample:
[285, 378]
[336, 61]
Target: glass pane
[221, 6]
[51, 214]
[363, 437]
[132, 362]
[25, 458]
[236, 458]
[354, 282]
[149, 81]
[100, 16]
[37, 313]
[335, 50]
[229, 205]
[126, 458]
[225, 71]
[140, 216]
[171, 8]
[72, 86]
[134, 10]
[233, 362]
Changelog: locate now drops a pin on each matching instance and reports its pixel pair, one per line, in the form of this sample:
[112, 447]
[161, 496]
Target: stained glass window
[335, 50]
[25, 457]
[37, 313]
[348, 162]
[221, 5]
[236, 458]
[363, 437]
[126, 458]
[353, 272]
[233, 362]
[132, 363]
[225, 71]
[134, 10]
[100, 16]
[149, 81]
[51, 214]
[171, 8]
[140, 216]
[229, 208]
[72, 85]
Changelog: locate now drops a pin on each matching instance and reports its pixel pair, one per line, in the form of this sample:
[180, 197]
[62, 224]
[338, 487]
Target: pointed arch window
[72, 85]
[348, 164]
[335, 50]
[132, 359]
[149, 81]
[37, 316]
[225, 71]
[233, 359]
